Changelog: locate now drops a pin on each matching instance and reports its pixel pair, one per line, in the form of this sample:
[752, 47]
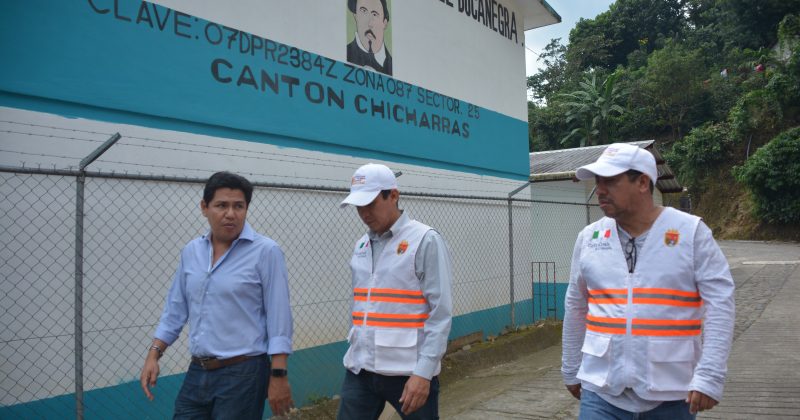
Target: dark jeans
[595, 408]
[365, 395]
[232, 392]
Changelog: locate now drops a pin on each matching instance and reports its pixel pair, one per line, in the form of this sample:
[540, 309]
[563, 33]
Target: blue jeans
[232, 392]
[595, 408]
[364, 396]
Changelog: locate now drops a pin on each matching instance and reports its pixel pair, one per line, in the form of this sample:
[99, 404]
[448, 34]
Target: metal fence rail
[78, 314]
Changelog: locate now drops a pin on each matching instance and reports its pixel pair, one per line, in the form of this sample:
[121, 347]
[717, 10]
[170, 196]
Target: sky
[570, 11]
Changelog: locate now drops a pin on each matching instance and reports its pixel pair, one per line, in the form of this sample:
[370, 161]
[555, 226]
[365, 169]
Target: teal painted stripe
[545, 299]
[73, 110]
[178, 67]
[315, 372]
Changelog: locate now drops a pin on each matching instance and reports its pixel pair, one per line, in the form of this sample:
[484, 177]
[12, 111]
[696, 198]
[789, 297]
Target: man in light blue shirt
[231, 287]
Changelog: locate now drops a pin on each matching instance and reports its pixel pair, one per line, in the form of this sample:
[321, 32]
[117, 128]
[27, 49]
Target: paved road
[764, 367]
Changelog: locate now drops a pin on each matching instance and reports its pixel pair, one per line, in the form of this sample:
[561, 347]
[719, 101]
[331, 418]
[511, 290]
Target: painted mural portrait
[368, 46]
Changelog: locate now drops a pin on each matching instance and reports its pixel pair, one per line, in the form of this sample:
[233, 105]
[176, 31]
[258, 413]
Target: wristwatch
[158, 349]
[279, 373]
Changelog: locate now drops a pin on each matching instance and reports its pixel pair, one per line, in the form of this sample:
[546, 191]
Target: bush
[545, 127]
[701, 150]
[758, 110]
[771, 176]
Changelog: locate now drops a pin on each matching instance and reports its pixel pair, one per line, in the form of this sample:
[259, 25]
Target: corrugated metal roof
[561, 164]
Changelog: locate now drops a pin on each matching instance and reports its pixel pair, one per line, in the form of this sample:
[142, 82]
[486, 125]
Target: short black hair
[385, 194]
[230, 180]
[633, 174]
[351, 4]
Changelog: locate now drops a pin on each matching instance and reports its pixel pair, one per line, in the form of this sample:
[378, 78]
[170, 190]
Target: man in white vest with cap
[649, 306]
[401, 309]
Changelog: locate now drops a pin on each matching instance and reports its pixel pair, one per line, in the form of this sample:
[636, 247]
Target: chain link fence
[133, 230]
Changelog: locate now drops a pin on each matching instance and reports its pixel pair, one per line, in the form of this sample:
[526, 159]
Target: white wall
[433, 45]
[134, 231]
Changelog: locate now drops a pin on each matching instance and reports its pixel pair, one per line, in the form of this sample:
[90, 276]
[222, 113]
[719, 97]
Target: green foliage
[724, 93]
[591, 45]
[628, 26]
[591, 108]
[545, 125]
[771, 175]
[755, 111]
[721, 25]
[673, 86]
[789, 28]
[552, 77]
[668, 55]
[699, 152]
[637, 123]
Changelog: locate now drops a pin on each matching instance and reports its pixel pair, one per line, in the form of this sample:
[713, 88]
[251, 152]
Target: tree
[549, 80]
[545, 125]
[770, 176]
[628, 26]
[673, 86]
[591, 43]
[591, 108]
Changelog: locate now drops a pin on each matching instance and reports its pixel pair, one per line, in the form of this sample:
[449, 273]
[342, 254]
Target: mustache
[369, 32]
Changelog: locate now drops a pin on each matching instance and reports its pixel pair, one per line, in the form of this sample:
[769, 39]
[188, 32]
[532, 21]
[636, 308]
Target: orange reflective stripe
[608, 296]
[607, 330]
[672, 297]
[648, 327]
[605, 325]
[399, 291]
[607, 301]
[672, 322]
[606, 319]
[391, 320]
[360, 294]
[608, 291]
[674, 292]
[389, 295]
[636, 331]
[670, 302]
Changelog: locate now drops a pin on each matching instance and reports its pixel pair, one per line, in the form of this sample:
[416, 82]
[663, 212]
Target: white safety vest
[643, 329]
[389, 310]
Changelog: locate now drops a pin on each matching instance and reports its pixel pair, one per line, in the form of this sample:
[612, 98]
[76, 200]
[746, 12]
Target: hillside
[715, 82]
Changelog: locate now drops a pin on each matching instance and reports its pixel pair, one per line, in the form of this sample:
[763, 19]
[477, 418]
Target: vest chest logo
[604, 233]
[599, 240]
[671, 237]
[361, 251]
[402, 247]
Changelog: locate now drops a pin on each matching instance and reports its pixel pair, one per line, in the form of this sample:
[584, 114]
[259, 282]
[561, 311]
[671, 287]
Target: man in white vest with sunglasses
[401, 309]
[649, 306]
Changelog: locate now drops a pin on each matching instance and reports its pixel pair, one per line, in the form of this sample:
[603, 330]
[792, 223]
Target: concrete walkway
[764, 367]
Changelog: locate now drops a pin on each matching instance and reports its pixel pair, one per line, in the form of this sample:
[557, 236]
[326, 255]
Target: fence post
[588, 207]
[80, 183]
[511, 249]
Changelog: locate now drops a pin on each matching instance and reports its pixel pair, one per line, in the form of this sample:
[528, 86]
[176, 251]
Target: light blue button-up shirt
[238, 306]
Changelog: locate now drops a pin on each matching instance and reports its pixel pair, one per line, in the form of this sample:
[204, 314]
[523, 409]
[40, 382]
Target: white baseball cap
[367, 182]
[618, 158]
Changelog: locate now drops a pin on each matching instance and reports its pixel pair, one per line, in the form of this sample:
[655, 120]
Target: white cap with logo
[367, 182]
[618, 158]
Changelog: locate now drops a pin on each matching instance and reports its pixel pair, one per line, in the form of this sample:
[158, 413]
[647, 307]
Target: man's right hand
[575, 390]
[149, 374]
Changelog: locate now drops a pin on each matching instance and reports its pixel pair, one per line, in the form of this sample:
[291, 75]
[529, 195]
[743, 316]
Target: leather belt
[212, 363]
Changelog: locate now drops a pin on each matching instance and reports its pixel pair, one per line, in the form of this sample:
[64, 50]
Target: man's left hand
[279, 395]
[415, 393]
[699, 402]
